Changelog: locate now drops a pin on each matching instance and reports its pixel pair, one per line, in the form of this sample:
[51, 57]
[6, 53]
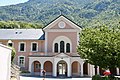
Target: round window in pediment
[61, 24]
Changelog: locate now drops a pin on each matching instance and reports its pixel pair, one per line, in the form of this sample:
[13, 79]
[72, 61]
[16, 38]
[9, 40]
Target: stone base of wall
[13, 78]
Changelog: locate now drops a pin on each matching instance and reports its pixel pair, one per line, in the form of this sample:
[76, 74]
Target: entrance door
[36, 66]
[62, 68]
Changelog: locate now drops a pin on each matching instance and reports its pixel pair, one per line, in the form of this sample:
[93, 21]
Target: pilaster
[81, 69]
[118, 73]
[98, 70]
[42, 67]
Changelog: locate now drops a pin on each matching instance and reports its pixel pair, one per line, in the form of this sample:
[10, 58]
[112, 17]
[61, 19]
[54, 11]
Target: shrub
[112, 77]
[13, 54]
[25, 71]
[96, 77]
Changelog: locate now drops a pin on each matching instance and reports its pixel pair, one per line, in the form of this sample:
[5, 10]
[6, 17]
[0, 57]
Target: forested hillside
[86, 13]
[19, 25]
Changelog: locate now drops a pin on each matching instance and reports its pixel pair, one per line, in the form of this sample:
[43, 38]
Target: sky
[11, 2]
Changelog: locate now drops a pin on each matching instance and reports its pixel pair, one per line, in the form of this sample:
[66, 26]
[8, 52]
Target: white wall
[5, 62]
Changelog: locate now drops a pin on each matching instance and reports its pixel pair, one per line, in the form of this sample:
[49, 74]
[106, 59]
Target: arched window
[10, 44]
[62, 47]
[56, 47]
[68, 47]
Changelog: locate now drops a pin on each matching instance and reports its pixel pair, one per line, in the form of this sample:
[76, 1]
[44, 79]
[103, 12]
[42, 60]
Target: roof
[29, 34]
[21, 34]
[1, 45]
[63, 16]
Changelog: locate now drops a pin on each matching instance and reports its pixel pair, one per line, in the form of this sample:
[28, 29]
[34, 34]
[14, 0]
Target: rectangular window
[22, 47]
[37, 66]
[21, 61]
[34, 47]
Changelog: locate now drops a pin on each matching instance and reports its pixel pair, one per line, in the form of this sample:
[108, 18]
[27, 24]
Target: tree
[13, 53]
[100, 46]
[19, 24]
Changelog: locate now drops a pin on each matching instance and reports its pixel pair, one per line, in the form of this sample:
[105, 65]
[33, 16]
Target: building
[52, 48]
[5, 54]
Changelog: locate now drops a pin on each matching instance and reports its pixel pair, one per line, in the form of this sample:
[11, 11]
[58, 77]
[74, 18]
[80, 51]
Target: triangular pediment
[62, 23]
[62, 55]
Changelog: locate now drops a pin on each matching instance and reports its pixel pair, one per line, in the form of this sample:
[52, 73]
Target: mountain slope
[83, 12]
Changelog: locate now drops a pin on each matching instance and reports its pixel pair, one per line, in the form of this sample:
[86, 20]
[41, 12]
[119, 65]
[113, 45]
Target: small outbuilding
[5, 62]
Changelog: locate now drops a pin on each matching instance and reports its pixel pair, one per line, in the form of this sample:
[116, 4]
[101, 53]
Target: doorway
[37, 66]
[62, 68]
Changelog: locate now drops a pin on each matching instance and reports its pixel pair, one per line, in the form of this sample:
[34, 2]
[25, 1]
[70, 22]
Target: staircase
[15, 72]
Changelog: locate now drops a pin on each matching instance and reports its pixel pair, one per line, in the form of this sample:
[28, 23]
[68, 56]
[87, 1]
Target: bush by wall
[97, 77]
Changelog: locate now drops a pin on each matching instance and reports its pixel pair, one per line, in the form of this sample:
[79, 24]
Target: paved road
[37, 78]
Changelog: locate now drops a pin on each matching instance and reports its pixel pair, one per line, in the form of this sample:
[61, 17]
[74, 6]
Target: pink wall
[41, 43]
[67, 26]
[71, 35]
[28, 49]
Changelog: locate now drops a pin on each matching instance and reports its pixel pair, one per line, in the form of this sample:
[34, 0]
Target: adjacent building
[5, 62]
[53, 48]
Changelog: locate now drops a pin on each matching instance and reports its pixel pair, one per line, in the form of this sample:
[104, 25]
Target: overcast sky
[10, 2]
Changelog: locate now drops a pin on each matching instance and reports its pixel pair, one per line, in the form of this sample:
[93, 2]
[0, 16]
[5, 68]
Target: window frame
[24, 46]
[23, 65]
[12, 44]
[56, 51]
[38, 66]
[67, 48]
[32, 46]
[62, 46]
